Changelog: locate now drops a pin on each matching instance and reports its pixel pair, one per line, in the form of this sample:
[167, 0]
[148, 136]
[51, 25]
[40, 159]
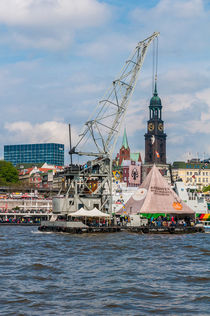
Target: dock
[75, 227]
[80, 228]
[166, 230]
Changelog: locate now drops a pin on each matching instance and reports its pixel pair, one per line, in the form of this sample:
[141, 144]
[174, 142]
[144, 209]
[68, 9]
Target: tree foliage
[206, 189]
[8, 173]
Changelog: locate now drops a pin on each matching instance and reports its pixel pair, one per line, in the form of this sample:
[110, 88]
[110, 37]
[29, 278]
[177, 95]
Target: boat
[191, 197]
[121, 194]
[206, 226]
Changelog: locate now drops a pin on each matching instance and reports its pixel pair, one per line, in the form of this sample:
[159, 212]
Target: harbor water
[103, 274]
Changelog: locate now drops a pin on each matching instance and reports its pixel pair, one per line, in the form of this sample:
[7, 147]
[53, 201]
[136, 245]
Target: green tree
[206, 189]
[8, 173]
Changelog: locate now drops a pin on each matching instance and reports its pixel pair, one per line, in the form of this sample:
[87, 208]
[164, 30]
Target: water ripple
[111, 274]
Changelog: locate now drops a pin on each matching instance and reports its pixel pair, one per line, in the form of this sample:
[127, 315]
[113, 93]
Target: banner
[134, 174]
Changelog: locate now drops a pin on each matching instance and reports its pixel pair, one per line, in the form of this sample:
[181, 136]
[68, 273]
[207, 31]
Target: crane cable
[154, 63]
[156, 55]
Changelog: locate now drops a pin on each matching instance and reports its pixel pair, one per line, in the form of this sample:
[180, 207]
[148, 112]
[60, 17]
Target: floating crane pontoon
[90, 185]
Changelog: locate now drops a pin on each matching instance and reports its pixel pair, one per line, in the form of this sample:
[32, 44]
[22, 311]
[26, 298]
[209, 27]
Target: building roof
[135, 156]
[25, 171]
[155, 100]
[28, 165]
[190, 165]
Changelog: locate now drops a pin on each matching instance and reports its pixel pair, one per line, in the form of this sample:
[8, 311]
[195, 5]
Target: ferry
[191, 197]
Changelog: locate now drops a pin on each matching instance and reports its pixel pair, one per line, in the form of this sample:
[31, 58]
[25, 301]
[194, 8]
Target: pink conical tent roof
[155, 196]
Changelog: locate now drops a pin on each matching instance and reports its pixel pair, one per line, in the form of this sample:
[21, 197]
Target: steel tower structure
[91, 184]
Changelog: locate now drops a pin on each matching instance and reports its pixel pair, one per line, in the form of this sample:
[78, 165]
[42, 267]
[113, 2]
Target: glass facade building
[50, 153]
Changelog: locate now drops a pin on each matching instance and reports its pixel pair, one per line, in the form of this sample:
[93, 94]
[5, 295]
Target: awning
[92, 213]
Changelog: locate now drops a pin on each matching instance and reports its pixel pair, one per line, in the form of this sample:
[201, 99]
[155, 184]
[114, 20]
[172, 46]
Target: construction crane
[90, 185]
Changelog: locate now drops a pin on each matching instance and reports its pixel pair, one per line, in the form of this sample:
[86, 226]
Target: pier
[80, 228]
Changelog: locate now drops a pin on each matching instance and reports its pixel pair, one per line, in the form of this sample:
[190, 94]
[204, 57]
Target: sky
[58, 57]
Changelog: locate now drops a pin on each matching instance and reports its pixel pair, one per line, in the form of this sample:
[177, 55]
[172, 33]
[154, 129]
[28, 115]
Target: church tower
[124, 150]
[155, 138]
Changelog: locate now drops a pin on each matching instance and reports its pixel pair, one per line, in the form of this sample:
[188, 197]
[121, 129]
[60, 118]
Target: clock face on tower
[160, 127]
[151, 127]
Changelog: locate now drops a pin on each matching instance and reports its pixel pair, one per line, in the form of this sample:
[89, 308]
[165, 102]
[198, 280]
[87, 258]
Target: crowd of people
[160, 221]
[18, 220]
[170, 221]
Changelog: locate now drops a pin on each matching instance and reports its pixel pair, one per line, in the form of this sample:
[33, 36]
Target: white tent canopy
[81, 212]
[92, 213]
[96, 213]
[155, 195]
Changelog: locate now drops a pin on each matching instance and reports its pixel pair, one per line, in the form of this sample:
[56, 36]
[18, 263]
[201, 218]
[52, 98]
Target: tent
[92, 213]
[96, 213]
[155, 195]
[81, 212]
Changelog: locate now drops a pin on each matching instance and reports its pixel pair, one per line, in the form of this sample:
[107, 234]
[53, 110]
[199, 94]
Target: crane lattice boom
[90, 185]
[102, 129]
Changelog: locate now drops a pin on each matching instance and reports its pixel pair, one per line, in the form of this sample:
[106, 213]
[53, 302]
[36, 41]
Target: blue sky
[58, 57]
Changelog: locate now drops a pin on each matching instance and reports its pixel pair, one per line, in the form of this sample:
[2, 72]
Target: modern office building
[50, 153]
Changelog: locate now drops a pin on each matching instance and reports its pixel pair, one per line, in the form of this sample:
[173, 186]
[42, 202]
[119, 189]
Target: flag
[193, 176]
[157, 154]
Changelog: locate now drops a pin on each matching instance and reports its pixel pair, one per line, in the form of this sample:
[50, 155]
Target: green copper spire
[155, 100]
[125, 140]
[155, 91]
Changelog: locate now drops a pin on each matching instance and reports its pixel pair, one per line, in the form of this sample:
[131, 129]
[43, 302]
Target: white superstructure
[121, 194]
[191, 197]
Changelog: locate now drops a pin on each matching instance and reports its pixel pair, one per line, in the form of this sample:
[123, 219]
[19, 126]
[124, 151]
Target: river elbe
[103, 274]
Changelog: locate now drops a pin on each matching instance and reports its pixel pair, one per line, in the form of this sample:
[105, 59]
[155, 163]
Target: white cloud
[53, 13]
[183, 26]
[65, 85]
[88, 88]
[204, 96]
[176, 139]
[50, 131]
[198, 127]
[50, 24]
[178, 102]
[108, 46]
[134, 123]
[180, 8]
[205, 116]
